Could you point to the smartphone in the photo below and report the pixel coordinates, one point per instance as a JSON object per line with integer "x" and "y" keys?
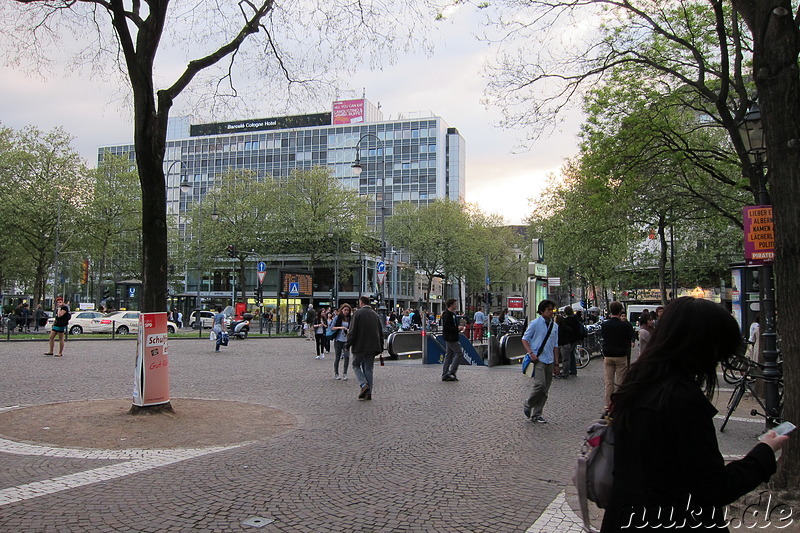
{"x": 784, "y": 428}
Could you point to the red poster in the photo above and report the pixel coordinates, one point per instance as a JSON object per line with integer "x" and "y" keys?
{"x": 515, "y": 303}
{"x": 152, "y": 362}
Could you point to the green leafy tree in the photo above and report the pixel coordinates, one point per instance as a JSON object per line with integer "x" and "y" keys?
{"x": 313, "y": 204}
{"x": 435, "y": 235}
{"x": 113, "y": 223}
{"x": 44, "y": 188}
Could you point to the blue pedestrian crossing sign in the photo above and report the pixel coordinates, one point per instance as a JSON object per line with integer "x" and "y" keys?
{"x": 294, "y": 288}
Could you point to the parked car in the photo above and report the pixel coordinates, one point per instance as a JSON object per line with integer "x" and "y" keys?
{"x": 81, "y": 321}
{"x": 206, "y": 317}
{"x": 122, "y": 323}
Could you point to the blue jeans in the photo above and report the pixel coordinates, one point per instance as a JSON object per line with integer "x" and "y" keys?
{"x": 362, "y": 368}
{"x": 341, "y": 353}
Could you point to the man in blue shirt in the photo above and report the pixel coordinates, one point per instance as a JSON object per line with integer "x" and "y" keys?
{"x": 541, "y": 343}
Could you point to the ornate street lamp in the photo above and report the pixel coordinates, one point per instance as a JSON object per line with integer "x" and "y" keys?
{"x": 357, "y": 169}
{"x": 753, "y": 136}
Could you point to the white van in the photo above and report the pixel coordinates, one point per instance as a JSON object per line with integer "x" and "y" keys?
{"x": 634, "y": 311}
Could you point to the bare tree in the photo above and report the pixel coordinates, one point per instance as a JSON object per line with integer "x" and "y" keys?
{"x": 331, "y": 36}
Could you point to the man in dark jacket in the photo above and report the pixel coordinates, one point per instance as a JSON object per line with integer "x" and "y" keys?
{"x": 451, "y": 331}
{"x": 571, "y": 329}
{"x": 617, "y": 339}
{"x": 365, "y": 341}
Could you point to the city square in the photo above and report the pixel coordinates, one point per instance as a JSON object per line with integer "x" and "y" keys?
{"x": 423, "y": 455}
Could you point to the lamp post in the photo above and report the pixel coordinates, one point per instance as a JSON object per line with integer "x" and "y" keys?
{"x": 186, "y": 188}
{"x": 357, "y": 169}
{"x": 335, "y": 292}
{"x": 753, "y": 136}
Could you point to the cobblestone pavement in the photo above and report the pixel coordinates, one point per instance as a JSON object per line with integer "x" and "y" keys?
{"x": 424, "y": 455}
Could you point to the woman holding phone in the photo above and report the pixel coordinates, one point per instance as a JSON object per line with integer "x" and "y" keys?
{"x": 668, "y": 469}
{"x": 60, "y": 325}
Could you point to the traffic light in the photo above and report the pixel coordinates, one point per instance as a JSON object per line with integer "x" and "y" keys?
{"x": 489, "y": 295}
{"x": 231, "y": 251}
{"x": 106, "y": 294}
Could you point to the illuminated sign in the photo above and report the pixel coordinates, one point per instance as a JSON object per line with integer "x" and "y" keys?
{"x": 297, "y": 284}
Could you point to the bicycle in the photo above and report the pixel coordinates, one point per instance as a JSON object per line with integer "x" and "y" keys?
{"x": 746, "y": 383}
{"x": 590, "y": 348}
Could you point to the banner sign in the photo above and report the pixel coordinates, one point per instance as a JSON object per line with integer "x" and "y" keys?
{"x": 261, "y": 124}
{"x": 759, "y": 235}
{"x": 349, "y": 111}
{"x": 297, "y": 284}
{"x": 151, "y": 382}
{"x": 515, "y": 303}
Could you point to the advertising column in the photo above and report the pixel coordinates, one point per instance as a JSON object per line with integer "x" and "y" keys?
{"x": 151, "y": 383}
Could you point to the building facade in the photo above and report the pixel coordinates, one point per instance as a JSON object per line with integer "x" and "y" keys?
{"x": 406, "y": 159}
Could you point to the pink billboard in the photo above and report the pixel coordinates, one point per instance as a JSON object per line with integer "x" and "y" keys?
{"x": 349, "y": 111}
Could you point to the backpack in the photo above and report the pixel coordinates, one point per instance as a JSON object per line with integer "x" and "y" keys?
{"x": 594, "y": 473}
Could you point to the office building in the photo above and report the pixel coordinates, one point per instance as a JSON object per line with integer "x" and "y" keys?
{"x": 409, "y": 158}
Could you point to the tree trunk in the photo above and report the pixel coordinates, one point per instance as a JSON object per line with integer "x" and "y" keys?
{"x": 776, "y": 44}
{"x": 662, "y": 260}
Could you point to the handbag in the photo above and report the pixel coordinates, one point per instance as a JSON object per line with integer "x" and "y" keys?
{"x": 213, "y": 335}
{"x": 330, "y": 332}
{"x": 594, "y": 473}
{"x": 529, "y": 369}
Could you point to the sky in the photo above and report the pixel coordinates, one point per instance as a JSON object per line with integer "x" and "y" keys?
{"x": 448, "y": 83}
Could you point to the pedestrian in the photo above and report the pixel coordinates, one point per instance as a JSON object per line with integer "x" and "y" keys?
{"x": 659, "y": 312}
{"x": 543, "y": 334}
{"x": 561, "y": 365}
{"x": 416, "y": 319}
{"x": 310, "y": 320}
{"x": 668, "y": 469}
{"x": 646, "y": 330}
{"x": 617, "y": 338}
{"x": 318, "y": 327}
{"x": 180, "y": 319}
{"x": 578, "y": 330}
{"x": 341, "y": 324}
{"x": 479, "y": 319}
{"x": 451, "y": 331}
{"x": 60, "y": 325}
{"x": 219, "y": 327}
{"x": 40, "y": 318}
{"x": 365, "y": 341}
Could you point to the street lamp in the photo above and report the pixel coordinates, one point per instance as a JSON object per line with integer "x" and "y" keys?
{"x": 752, "y": 134}
{"x": 357, "y": 169}
{"x": 186, "y": 188}
{"x": 335, "y": 292}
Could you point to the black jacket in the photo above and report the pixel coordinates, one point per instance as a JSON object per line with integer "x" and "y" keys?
{"x": 665, "y": 450}
{"x": 617, "y": 337}
{"x": 450, "y": 330}
{"x": 365, "y": 334}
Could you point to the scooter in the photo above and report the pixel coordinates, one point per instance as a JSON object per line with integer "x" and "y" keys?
{"x": 239, "y": 329}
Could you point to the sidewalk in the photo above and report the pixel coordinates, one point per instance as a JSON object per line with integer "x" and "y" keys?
{"x": 424, "y": 455}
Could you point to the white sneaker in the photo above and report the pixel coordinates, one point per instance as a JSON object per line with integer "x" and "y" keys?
{"x": 318, "y": 357}
{"x": 337, "y": 376}
{"x": 344, "y": 377}
{"x": 321, "y": 356}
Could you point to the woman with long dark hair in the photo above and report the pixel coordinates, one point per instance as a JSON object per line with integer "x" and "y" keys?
{"x": 668, "y": 470}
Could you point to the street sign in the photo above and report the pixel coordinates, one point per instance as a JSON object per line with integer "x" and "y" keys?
{"x": 381, "y": 271}
{"x": 262, "y": 271}
{"x": 294, "y": 288}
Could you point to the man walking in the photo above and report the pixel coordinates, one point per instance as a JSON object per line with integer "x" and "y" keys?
{"x": 451, "y": 332}
{"x": 365, "y": 341}
{"x": 541, "y": 336}
{"x": 310, "y": 318}
{"x": 617, "y": 339}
